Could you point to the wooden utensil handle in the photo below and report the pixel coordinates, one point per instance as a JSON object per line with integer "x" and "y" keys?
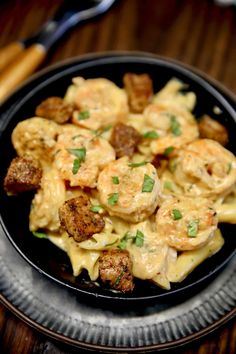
{"x": 20, "y": 68}
{"x": 10, "y": 52}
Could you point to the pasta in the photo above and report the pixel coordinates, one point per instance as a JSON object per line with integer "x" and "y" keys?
{"x": 143, "y": 193}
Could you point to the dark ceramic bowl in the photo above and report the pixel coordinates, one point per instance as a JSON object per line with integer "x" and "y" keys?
{"x": 14, "y": 211}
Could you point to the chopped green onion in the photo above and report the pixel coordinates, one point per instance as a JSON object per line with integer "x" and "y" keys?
{"x": 148, "y": 184}
{"x": 152, "y": 134}
{"x": 192, "y": 228}
{"x": 115, "y": 179}
{"x": 83, "y": 115}
{"x": 176, "y": 214}
{"x": 137, "y": 164}
{"x": 175, "y": 126}
{"x": 168, "y": 150}
{"x": 113, "y": 198}
{"x": 39, "y": 234}
{"x": 78, "y": 152}
{"x": 96, "y": 208}
{"x": 76, "y": 166}
{"x": 139, "y": 239}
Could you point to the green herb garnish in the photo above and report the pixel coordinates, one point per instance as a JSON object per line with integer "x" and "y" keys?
{"x": 96, "y": 208}
{"x": 175, "y": 126}
{"x": 76, "y": 166}
{"x": 123, "y": 242}
{"x": 168, "y": 150}
{"x": 78, "y": 152}
{"x": 148, "y": 184}
{"x": 139, "y": 239}
{"x": 113, "y": 198}
{"x": 152, "y": 134}
{"x": 115, "y": 179}
{"x": 83, "y": 115}
{"x": 39, "y": 234}
{"x": 176, "y": 214}
{"x": 137, "y": 164}
{"x": 192, "y": 228}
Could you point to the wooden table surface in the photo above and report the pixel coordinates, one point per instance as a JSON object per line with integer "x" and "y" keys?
{"x": 196, "y": 32}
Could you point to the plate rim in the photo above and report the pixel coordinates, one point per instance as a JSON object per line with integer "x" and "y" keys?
{"x": 120, "y": 53}
{"x": 161, "y": 346}
{"x": 107, "y": 58}
{"x": 108, "y": 349}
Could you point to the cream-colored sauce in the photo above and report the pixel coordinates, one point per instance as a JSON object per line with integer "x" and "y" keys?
{"x": 133, "y": 204}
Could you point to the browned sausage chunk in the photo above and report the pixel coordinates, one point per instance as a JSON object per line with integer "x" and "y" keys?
{"x": 115, "y": 270}
{"x": 124, "y": 139}
{"x": 78, "y": 220}
{"x": 139, "y": 89}
{"x": 211, "y": 129}
{"x": 55, "y": 108}
{"x": 24, "y": 174}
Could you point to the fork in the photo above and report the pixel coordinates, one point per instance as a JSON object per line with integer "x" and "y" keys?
{"x": 19, "y": 60}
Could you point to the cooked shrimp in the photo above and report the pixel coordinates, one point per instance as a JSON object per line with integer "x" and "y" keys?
{"x": 47, "y": 201}
{"x": 186, "y": 224}
{"x": 148, "y": 252}
{"x": 128, "y": 190}
{"x": 174, "y": 126}
{"x": 100, "y": 103}
{"x": 80, "y": 155}
{"x": 205, "y": 168}
{"x": 36, "y": 137}
{"x": 171, "y": 95}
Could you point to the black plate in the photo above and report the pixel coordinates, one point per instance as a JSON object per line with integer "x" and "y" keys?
{"x": 14, "y": 211}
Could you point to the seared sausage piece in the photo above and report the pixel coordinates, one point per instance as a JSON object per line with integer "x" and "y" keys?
{"x": 24, "y": 174}
{"x": 78, "y": 220}
{"x": 139, "y": 89}
{"x": 115, "y": 270}
{"x": 211, "y": 129}
{"x": 124, "y": 139}
{"x": 56, "y": 109}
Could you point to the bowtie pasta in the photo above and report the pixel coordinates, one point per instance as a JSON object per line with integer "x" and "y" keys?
{"x": 128, "y": 182}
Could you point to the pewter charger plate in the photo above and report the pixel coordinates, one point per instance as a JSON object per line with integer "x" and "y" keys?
{"x": 60, "y": 313}
{"x": 113, "y": 326}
